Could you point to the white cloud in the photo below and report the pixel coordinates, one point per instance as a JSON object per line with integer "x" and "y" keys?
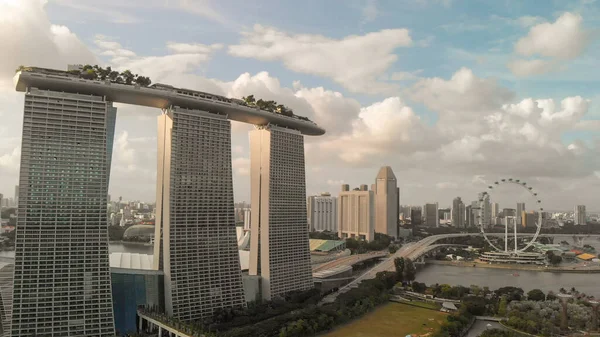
{"x": 463, "y": 96}
{"x": 525, "y": 68}
{"x": 446, "y": 185}
{"x": 406, "y": 76}
{"x": 33, "y": 40}
{"x": 529, "y": 20}
{"x": 564, "y": 39}
{"x": 372, "y": 54}
{"x": 550, "y": 43}
{"x": 118, "y": 11}
{"x": 10, "y": 161}
{"x": 333, "y": 182}
{"x": 193, "y": 48}
{"x": 370, "y": 11}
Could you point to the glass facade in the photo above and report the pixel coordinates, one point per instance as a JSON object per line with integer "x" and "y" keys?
{"x": 131, "y": 289}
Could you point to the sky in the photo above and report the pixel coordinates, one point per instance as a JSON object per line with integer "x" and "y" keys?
{"x": 453, "y": 95}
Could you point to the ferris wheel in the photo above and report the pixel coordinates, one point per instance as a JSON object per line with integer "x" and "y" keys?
{"x": 483, "y": 217}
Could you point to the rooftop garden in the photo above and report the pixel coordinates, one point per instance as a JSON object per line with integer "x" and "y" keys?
{"x": 98, "y": 73}
{"x": 271, "y": 106}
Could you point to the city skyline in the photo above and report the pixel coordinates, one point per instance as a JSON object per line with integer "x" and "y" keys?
{"x": 399, "y": 84}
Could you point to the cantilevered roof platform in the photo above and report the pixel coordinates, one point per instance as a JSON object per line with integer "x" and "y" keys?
{"x": 162, "y": 97}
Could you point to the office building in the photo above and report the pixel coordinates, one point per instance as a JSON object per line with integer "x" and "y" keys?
{"x": 194, "y": 214}
{"x": 2, "y": 200}
{"x": 416, "y": 216}
{"x": 61, "y": 275}
{"x": 520, "y": 209}
{"x": 430, "y": 215}
{"x": 322, "y": 213}
{"x": 579, "y": 217}
{"x": 386, "y": 202}
{"x": 279, "y": 248}
{"x": 458, "y": 213}
{"x": 495, "y": 213}
{"x": 529, "y": 219}
{"x": 469, "y": 218}
{"x": 485, "y": 210}
{"x": 356, "y": 213}
{"x": 247, "y": 218}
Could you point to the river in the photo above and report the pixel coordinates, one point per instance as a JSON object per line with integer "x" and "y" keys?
{"x": 497, "y": 278}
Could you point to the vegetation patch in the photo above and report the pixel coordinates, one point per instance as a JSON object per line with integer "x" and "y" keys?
{"x": 393, "y": 319}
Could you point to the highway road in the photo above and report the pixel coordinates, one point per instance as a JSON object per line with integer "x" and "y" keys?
{"x": 348, "y": 260}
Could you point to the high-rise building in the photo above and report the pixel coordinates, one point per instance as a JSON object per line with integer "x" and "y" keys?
{"x": 416, "y": 216}
{"x": 194, "y": 214}
{"x": 247, "y": 218}
{"x": 495, "y": 212}
{"x": 322, "y": 213}
{"x": 386, "y": 202}
{"x": 356, "y": 213}
{"x": 469, "y": 219}
{"x": 61, "y": 277}
{"x": 279, "y": 249}
{"x": 458, "y": 213}
{"x": 2, "y": 200}
{"x": 520, "y": 209}
{"x": 579, "y": 215}
{"x": 529, "y": 219}
{"x": 485, "y": 210}
{"x": 430, "y": 215}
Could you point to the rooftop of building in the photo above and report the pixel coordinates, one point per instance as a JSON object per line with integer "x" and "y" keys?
{"x": 386, "y": 172}
{"x": 160, "y": 96}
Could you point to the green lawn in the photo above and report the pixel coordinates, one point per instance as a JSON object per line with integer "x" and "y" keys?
{"x": 393, "y": 319}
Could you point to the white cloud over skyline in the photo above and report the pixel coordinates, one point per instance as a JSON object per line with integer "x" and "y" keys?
{"x": 481, "y": 129}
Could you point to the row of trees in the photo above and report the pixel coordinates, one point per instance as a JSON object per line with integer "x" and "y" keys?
{"x": 96, "y": 72}
{"x": 380, "y": 242}
{"x": 271, "y": 106}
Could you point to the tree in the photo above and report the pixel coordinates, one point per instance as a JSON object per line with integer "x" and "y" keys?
{"x": 502, "y": 306}
{"x": 250, "y": 100}
{"x": 555, "y": 260}
{"x": 409, "y": 270}
{"x": 419, "y": 287}
{"x": 20, "y": 68}
{"x": 393, "y": 249}
{"x": 128, "y": 77}
{"x": 399, "y": 264}
{"x": 536, "y": 295}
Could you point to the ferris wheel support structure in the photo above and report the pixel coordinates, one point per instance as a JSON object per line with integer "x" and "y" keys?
{"x": 482, "y": 217}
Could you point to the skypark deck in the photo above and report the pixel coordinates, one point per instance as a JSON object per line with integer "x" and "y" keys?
{"x": 162, "y": 97}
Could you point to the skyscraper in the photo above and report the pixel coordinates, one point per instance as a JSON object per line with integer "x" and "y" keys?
{"x": 579, "y": 215}
{"x": 484, "y": 210}
{"x": 195, "y": 240}
{"x": 495, "y": 212}
{"x": 386, "y": 202}
{"x": 430, "y": 215}
{"x": 322, "y": 212}
{"x": 458, "y": 213}
{"x": 520, "y": 209}
{"x": 279, "y": 249}
{"x": 356, "y": 213}
{"x": 61, "y": 278}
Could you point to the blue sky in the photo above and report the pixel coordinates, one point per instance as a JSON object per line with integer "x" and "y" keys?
{"x": 444, "y": 91}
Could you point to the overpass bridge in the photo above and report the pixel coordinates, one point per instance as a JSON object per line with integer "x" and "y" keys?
{"x": 349, "y": 261}
{"x": 415, "y": 250}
